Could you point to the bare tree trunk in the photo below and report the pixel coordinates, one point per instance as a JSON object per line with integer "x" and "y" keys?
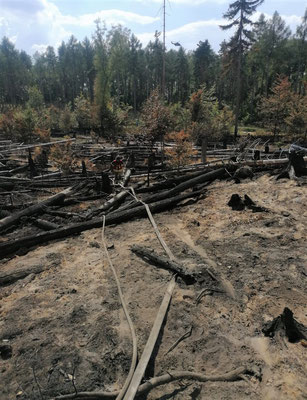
{"x": 204, "y": 144}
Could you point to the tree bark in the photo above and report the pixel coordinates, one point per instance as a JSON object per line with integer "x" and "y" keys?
{"x": 45, "y": 225}
{"x": 204, "y": 143}
{"x": 11, "y": 277}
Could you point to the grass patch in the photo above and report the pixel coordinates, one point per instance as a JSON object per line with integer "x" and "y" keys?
{"x": 253, "y": 131}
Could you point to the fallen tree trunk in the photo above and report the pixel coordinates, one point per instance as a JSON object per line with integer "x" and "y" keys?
{"x": 32, "y": 210}
{"x": 13, "y": 179}
{"x": 47, "y": 176}
{"x": 31, "y": 146}
{"x": 165, "y": 263}
{"x": 172, "y": 182}
{"x": 10, "y": 247}
{"x": 43, "y": 224}
{"x": 115, "y": 200}
{"x": 7, "y": 278}
{"x": 62, "y": 214}
{"x": 210, "y": 176}
{"x": 4, "y": 214}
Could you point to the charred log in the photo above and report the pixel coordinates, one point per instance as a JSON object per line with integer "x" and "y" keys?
{"x": 32, "y": 210}
{"x": 150, "y": 256}
{"x": 287, "y": 326}
{"x": 43, "y": 224}
{"x": 10, "y": 247}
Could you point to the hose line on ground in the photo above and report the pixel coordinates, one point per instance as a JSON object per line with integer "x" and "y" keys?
{"x": 132, "y": 330}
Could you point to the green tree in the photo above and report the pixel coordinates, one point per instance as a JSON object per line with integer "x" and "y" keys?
{"x": 239, "y": 14}
{"x": 301, "y": 40}
{"x": 83, "y": 113}
{"x": 182, "y": 75}
{"x": 101, "y": 62}
{"x": 135, "y": 71}
{"x": 89, "y": 72}
{"x": 118, "y": 44}
{"x": 209, "y": 120}
{"x": 297, "y": 118}
{"x": 204, "y": 64}
{"x": 36, "y": 99}
{"x": 275, "y": 109}
{"x": 204, "y": 108}
{"x": 67, "y": 120}
{"x": 15, "y": 73}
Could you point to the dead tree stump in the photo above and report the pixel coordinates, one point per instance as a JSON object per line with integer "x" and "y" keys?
{"x": 287, "y": 326}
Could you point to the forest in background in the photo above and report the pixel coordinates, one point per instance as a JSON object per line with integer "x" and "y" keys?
{"x": 110, "y": 85}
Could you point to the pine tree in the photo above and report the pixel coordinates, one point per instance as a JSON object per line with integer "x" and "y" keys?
{"x": 204, "y": 62}
{"x": 239, "y": 14}
{"x": 277, "y": 107}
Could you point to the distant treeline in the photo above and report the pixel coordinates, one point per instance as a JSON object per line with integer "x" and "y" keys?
{"x": 114, "y": 67}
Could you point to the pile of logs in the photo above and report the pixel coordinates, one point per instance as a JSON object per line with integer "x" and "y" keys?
{"x": 41, "y": 206}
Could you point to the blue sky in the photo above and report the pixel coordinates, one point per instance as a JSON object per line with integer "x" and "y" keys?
{"x": 34, "y": 24}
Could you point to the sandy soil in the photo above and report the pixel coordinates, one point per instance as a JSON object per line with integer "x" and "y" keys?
{"x": 68, "y": 319}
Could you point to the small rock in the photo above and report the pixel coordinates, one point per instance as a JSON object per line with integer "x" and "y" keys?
{"x": 94, "y": 244}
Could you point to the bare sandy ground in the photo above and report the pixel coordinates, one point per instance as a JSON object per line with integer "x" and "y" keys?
{"x": 68, "y": 319}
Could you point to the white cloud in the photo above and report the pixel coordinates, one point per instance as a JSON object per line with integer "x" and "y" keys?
{"x": 189, "y": 2}
{"x": 40, "y": 48}
{"x": 292, "y": 20}
{"x": 289, "y": 19}
{"x": 190, "y": 34}
{"x": 196, "y": 26}
{"x": 13, "y": 39}
{"x": 109, "y": 16}
{"x": 40, "y": 22}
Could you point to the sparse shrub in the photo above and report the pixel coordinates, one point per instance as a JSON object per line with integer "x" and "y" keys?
{"x": 36, "y": 99}
{"x": 181, "y": 153}
{"x": 83, "y": 113}
{"x": 156, "y": 118}
{"x": 67, "y": 119}
{"x": 63, "y": 157}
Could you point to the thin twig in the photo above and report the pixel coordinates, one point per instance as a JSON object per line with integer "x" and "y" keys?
{"x": 207, "y": 291}
{"x": 231, "y": 376}
{"x": 184, "y": 336}
{"x": 73, "y": 379}
{"x": 37, "y": 384}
